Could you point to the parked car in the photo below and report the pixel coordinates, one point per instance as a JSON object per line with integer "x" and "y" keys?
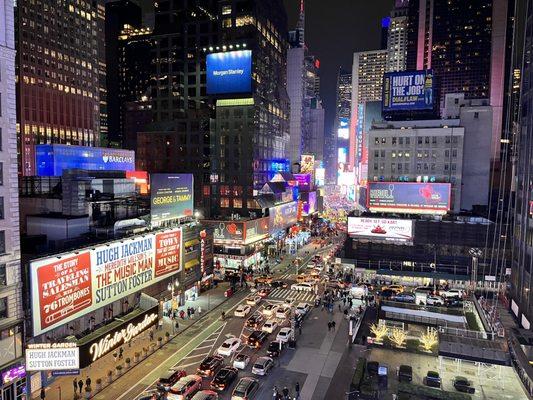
{"x": 303, "y": 287}
{"x": 284, "y": 335}
{"x": 462, "y": 384}
{"x": 302, "y": 308}
{"x": 205, "y": 395}
{"x": 256, "y": 339}
{"x": 269, "y": 310}
{"x": 210, "y": 365}
{"x": 270, "y": 326}
{"x": 275, "y": 348}
{"x": 396, "y": 288}
{"x": 454, "y": 302}
{"x": 302, "y": 278}
{"x": 434, "y": 301}
{"x": 255, "y": 321}
{"x": 262, "y": 365}
{"x": 224, "y": 378}
{"x": 404, "y": 298}
{"x": 253, "y": 300}
{"x": 283, "y": 312}
{"x": 242, "y": 311}
{"x": 405, "y": 373}
{"x": 387, "y": 293}
{"x": 245, "y": 389}
{"x": 432, "y": 379}
{"x": 169, "y": 378}
{"x": 229, "y": 347}
{"x": 186, "y": 387}
{"x": 152, "y": 395}
{"x": 452, "y": 293}
{"x": 241, "y": 361}
{"x": 263, "y": 292}
{"x": 279, "y": 284}
{"x": 264, "y": 279}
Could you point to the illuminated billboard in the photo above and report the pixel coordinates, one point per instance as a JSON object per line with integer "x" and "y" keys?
{"x": 52, "y": 159}
{"x": 304, "y": 181}
{"x": 283, "y": 216}
{"x": 343, "y": 131}
{"x": 67, "y": 286}
{"x": 309, "y": 203}
{"x": 320, "y": 176}
{"x": 171, "y": 196}
{"x": 229, "y": 231}
{"x": 307, "y": 164}
{"x": 408, "y": 91}
{"x": 381, "y": 229}
{"x": 409, "y": 197}
{"x": 229, "y": 72}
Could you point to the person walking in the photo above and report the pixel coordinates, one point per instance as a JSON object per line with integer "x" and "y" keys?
{"x": 43, "y": 394}
{"x": 333, "y": 324}
{"x": 88, "y": 382}
{"x": 285, "y": 393}
{"x": 199, "y": 310}
{"x": 75, "y": 384}
{"x": 120, "y": 353}
{"x": 151, "y": 335}
{"x": 80, "y": 384}
{"x": 329, "y": 326}
{"x": 297, "y": 389}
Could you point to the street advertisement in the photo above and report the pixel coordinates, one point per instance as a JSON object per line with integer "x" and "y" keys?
{"x": 256, "y": 229}
{"x": 283, "y": 216}
{"x": 304, "y": 181}
{"x": 229, "y": 72}
{"x": 229, "y": 230}
{"x": 309, "y": 203}
{"x": 52, "y": 357}
{"x": 52, "y": 159}
{"x": 92, "y": 350}
{"x": 343, "y": 131}
{"x": 381, "y": 229}
{"x": 320, "y": 176}
{"x": 66, "y": 287}
{"x": 409, "y": 197}
{"x": 408, "y": 91}
{"x": 307, "y": 164}
{"x": 171, "y": 196}
{"x": 13, "y": 374}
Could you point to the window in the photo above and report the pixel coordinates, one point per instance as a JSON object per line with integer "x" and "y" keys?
{"x": 456, "y": 101}
{"x": 447, "y": 153}
{"x": 406, "y": 167}
{"x": 454, "y": 167}
{"x": 418, "y": 166}
{"x": 433, "y": 167}
{"x": 2, "y": 207}
{"x": 2, "y": 242}
{"x": 419, "y": 140}
{"x": 447, "y": 139}
{"x": 407, "y": 154}
{"x": 401, "y": 141}
{"x": 434, "y": 140}
{"x": 454, "y": 152}
{"x": 407, "y": 140}
{"x": 382, "y": 153}
{"x": 393, "y": 167}
{"x": 0, "y": 138}
{"x": 226, "y": 10}
{"x": 3, "y": 307}
{"x": 226, "y": 23}
{"x": 455, "y": 139}
{"x": 446, "y": 167}
{"x": 376, "y": 141}
{"x": 394, "y": 140}
{"x": 3, "y": 276}
{"x": 375, "y": 166}
{"x": 426, "y": 141}
{"x": 376, "y": 153}
{"x": 399, "y": 167}
{"x": 383, "y": 140}
{"x": 393, "y": 154}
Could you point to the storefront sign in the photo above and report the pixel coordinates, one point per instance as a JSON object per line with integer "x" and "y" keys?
{"x": 119, "y": 336}
{"x": 52, "y": 357}
{"x": 67, "y": 372}
{"x": 11, "y": 375}
{"x": 69, "y": 286}
{"x": 203, "y": 235}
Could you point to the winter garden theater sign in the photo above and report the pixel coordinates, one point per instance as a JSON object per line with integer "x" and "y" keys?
{"x": 118, "y": 333}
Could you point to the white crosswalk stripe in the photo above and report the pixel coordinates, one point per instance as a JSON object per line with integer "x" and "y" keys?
{"x": 286, "y": 276}
{"x": 296, "y": 295}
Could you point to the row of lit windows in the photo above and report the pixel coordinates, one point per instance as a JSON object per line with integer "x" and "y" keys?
{"x": 56, "y": 86}
{"x": 47, "y": 134}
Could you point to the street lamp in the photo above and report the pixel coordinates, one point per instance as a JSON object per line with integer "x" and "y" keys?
{"x": 475, "y": 253}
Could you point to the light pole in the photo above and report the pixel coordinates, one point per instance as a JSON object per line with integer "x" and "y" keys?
{"x": 475, "y": 253}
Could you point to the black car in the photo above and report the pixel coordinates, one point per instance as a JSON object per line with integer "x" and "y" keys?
{"x": 257, "y": 338}
{"x": 254, "y": 321}
{"x": 275, "y": 348}
{"x": 278, "y": 284}
{"x": 210, "y": 365}
{"x": 170, "y": 378}
{"x": 388, "y": 293}
{"x": 433, "y": 379}
{"x": 462, "y": 384}
{"x": 224, "y": 378}
{"x": 454, "y": 302}
{"x": 405, "y": 373}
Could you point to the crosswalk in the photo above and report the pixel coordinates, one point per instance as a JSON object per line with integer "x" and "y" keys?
{"x": 284, "y": 294}
{"x": 287, "y": 275}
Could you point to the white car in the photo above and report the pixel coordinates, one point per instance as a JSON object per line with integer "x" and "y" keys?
{"x": 262, "y": 365}
{"x": 270, "y": 326}
{"x": 242, "y": 311}
{"x": 434, "y": 301}
{"x": 284, "y": 335}
{"x": 302, "y": 308}
{"x": 283, "y": 312}
{"x": 270, "y": 310}
{"x": 241, "y": 361}
{"x": 253, "y": 300}
{"x": 229, "y": 347}
{"x": 304, "y": 287}
{"x": 450, "y": 293}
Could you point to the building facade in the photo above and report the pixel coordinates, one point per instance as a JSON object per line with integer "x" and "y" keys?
{"x": 11, "y": 313}
{"x": 59, "y": 76}
{"x": 397, "y": 38}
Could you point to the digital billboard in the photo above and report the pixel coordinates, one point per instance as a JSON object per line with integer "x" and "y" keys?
{"x": 171, "y": 196}
{"x": 256, "y": 229}
{"x": 381, "y": 229}
{"x": 309, "y": 203}
{"x": 409, "y": 197}
{"x": 320, "y": 176}
{"x": 229, "y": 72}
{"x": 343, "y": 131}
{"x": 68, "y": 286}
{"x": 304, "y": 181}
{"x": 283, "y": 216}
{"x": 229, "y": 230}
{"x": 307, "y": 164}
{"x": 408, "y": 91}
{"x": 52, "y": 159}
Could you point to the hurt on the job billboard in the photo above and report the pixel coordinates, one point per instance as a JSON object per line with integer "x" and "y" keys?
{"x": 229, "y": 72}
{"x": 68, "y": 286}
{"x": 171, "y": 196}
{"x": 408, "y": 91}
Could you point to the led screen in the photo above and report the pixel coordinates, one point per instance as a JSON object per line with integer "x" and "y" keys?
{"x": 229, "y": 72}
{"x": 409, "y": 197}
{"x": 408, "y": 91}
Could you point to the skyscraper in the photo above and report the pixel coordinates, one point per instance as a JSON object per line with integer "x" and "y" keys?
{"x": 397, "y": 38}
{"x": 59, "y": 75}
{"x": 11, "y": 315}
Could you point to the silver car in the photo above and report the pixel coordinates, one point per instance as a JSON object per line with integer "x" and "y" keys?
{"x": 262, "y": 365}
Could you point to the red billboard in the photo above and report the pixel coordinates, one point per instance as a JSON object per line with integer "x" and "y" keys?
{"x": 409, "y": 197}
{"x": 167, "y": 252}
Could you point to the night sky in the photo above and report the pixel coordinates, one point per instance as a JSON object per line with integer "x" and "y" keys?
{"x": 334, "y": 30}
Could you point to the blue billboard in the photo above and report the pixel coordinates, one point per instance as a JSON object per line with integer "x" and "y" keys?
{"x": 229, "y": 72}
{"x": 409, "y": 197}
{"x": 408, "y": 91}
{"x": 52, "y": 159}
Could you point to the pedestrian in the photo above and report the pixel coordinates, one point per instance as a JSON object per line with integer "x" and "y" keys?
{"x": 275, "y": 393}
{"x": 189, "y": 312}
{"x": 344, "y": 301}
{"x": 43, "y": 394}
{"x": 329, "y": 326}
{"x": 75, "y": 384}
{"x": 297, "y": 388}
{"x": 339, "y": 307}
{"x": 182, "y": 314}
{"x": 199, "y": 310}
{"x": 80, "y": 384}
{"x": 151, "y": 335}
{"x": 333, "y": 324}
{"x": 120, "y": 353}
{"x": 88, "y": 382}
{"x": 160, "y": 324}
{"x": 285, "y": 393}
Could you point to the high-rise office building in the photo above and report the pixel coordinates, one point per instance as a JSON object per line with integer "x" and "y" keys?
{"x": 464, "y": 44}
{"x": 397, "y": 38}
{"x": 367, "y": 75}
{"x": 58, "y": 75}
{"x": 11, "y": 315}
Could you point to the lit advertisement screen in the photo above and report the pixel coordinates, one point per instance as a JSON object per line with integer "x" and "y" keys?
{"x": 283, "y": 216}
{"x": 229, "y": 72}
{"x": 171, "y": 196}
{"x": 52, "y": 159}
{"x": 304, "y": 181}
{"x": 381, "y": 229}
{"x": 342, "y": 155}
{"x": 320, "y": 176}
{"x": 409, "y": 197}
{"x": 408, "y": 91}
{"x": 343, "y": 131}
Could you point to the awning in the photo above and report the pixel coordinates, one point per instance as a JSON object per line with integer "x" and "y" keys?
{"x": 191, "y": 243}
{"x": 191, "y": 263}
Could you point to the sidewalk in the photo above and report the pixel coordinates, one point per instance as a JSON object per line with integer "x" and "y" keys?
{"x": 62, "y": 388}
